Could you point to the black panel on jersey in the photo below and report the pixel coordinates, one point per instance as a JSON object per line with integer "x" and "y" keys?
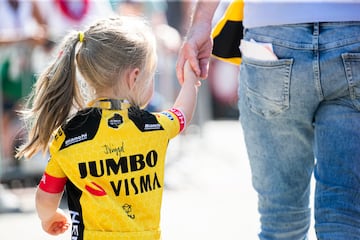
{"x": 82, "y": 127}
{"x": 144, "y": 120}
{"x": 73, "y": 199}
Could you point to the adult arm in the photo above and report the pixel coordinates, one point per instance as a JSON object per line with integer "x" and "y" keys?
{"x": 197, "y": 45}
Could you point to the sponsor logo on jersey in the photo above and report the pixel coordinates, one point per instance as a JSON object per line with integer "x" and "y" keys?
{"x": 75, "y": 219}
{"x": 77, "y": 139}
{"x": 152, "y": 126}
{"x": 180, "y": 117}
{"x": 119, "y": 167}
{"x": 95, "y": 189}
{"x": 115, "y": 121}
{"x": 168, "y": 115}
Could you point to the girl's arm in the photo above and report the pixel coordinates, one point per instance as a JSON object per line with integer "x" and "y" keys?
{"x": 53, "y": 220}
{"x": 186, "y": 100}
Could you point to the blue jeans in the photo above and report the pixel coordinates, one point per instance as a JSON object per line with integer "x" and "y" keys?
{"x": 301, "y": 115}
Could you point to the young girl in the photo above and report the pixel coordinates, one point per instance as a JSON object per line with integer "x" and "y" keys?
{"x": 109, "y": 154}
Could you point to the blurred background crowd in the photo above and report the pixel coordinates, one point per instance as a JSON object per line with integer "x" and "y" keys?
{"x": 29, "y": 33}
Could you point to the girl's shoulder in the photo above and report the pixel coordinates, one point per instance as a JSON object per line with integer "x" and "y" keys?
{"x": 81, "y": 127}
{"x": 87, "y": 118}
{"x": 144, "y": 120}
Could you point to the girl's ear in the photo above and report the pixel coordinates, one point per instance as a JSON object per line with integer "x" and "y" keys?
{"x": 132, "y": 76}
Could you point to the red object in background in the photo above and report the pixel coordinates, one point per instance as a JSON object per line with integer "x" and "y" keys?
{"x": 72, "y": 13}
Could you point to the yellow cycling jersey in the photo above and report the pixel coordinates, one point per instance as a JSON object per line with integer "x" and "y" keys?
{"x": 111, "y": 159}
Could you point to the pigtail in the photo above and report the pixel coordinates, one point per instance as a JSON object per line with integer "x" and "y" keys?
{"x": 102, "y": 55}
{"x": 55, "y": 95}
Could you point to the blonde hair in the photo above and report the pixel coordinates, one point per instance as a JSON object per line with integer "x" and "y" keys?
{"x": 107, "y": 49}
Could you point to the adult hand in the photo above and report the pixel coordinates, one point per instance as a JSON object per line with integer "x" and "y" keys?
{"x": 196, "y": 48}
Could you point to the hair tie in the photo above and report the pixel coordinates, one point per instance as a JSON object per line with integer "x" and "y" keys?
{"x": 81, "y": 37}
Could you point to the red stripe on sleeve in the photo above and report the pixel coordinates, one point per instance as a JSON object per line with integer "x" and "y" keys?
{"x": 180, "y": 116}
{"x": 52, "y": 184}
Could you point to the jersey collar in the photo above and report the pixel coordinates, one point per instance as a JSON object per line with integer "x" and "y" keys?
{"x": 110, "y": 104}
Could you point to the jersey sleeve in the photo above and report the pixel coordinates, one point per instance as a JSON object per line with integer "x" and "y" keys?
{"x": 173, "y": 121}
{"x": 53, "y": 179}
{"x": 52, "y": 184}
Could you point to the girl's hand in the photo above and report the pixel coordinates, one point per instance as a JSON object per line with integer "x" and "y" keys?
{"x": 57, "y": 224}
{"x": 190, "y": 76}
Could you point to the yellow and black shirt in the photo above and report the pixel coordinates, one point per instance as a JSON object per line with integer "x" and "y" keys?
{"x": 228, "y": 32}
{"x": 110, "y": 157}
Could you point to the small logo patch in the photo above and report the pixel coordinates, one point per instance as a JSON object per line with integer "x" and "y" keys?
{"x": 152, "y": 126}
{"x": 128, "y": 210}
{"x": 115, "y": 121}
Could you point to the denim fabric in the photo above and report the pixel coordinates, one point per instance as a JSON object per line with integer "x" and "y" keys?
{"x": 301, "y": 115}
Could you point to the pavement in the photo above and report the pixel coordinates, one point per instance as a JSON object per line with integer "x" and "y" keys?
{"x": 207, "y": 195}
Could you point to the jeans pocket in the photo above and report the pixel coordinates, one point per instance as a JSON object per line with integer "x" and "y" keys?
{"x": 267, "y": 85}
{"x": 352, "y": 69}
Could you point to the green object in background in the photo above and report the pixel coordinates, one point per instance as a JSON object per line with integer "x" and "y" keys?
{"x": 14, "y": 88}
